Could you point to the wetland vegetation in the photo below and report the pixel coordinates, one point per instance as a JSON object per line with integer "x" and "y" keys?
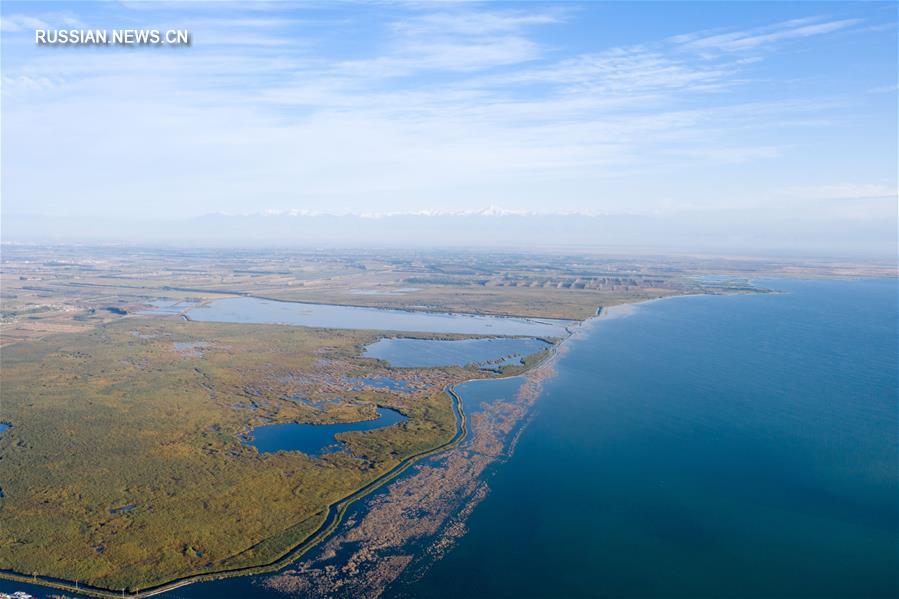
{"x": 490, "y": 353}
{"x": 131, "y": 414}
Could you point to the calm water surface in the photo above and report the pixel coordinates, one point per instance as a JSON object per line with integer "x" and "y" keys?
{"x": 418, "y": 353}
{"x": 476, "y": 394}
{"x": 703, "y": 447}
{"x": 261, "y": 311}
{"x": 313, "y": 439}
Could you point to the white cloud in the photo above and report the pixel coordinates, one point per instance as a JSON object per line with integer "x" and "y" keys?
{"x": 13, "y": 23}
{"x": 628, "y": 71}
{"x": 24, "y": 83}
{"x": 472, "y": 23}
{"x": 464, "y": 40}
{"x": 735, "y": 41}
{"x": 445, "y": 55}
{"x": 27, "y": 23}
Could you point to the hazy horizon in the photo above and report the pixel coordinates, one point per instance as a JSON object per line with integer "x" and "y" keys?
{"x": 549, "y": 233}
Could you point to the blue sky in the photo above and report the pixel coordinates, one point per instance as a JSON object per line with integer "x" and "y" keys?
{"x": 604, "y": 108}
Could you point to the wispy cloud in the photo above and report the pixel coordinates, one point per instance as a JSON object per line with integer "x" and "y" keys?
{"x": 473, "y": 23}
{"x": 20, "y": 23}
{"x": 447, "y": 105}
{"x": 469, "y": 40}
{"x": 735, "y": 41}
{"x": 629, "y": 71}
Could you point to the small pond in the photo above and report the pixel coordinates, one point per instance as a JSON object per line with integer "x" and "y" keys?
{"x": 314, "y": 439}
{"x": 379, "y": 382}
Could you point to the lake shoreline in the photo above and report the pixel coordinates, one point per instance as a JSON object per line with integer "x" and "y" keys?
{"x": 758, "y": 457}
{"x": 491, "y": 439}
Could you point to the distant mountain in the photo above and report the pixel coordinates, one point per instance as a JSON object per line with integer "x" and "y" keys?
{"x": 730, "y": 232}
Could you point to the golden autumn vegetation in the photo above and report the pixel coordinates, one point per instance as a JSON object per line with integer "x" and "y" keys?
{"x": 125, "y": 464}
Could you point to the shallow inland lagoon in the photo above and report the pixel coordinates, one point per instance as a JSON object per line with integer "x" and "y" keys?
{"x": 262, "y": 311}
{"x": 314, "y": 439}
{"x": 479, "y": 393}
{"x": 419, "y": 353}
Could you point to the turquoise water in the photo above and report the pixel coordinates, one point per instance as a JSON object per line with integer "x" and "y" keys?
{"x": 261, "y": 311}
{"x": 313, "y": 439}
{"x": 703, "y": 447}
{"x": 418, "y": 353}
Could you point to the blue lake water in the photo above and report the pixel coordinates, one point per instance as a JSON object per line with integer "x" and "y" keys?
{"x": 476, "y": 394}
{"x": 261, "y": 311}
{"x": 313, "y": 439}
{"x": 418, "y": 353}
{"x": 741, "y": 446}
